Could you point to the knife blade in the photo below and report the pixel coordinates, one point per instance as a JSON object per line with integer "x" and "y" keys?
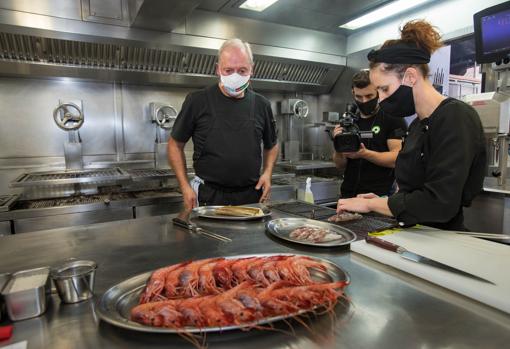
{"x": 406, "y": 254}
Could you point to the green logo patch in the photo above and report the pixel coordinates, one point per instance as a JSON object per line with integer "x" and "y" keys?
{"x": 376, "y": 129}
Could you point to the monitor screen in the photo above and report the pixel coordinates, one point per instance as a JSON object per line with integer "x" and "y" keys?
{"x": 492, "y": 33}
{"x": 496, "y": 32}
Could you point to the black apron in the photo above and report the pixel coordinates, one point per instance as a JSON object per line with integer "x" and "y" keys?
{"x": 230, "y": 159}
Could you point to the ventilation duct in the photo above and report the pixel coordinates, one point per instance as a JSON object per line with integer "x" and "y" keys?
{"x": 114, "y": 53}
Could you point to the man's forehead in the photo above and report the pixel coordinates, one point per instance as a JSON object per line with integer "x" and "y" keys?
{"x": 234, "y": 55}
{"x": 370, "y": 89}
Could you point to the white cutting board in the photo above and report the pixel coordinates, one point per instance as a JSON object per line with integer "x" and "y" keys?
{"x": 482, "y": 258}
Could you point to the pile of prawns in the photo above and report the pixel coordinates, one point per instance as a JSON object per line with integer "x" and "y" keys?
{"x": 221, "y": 292}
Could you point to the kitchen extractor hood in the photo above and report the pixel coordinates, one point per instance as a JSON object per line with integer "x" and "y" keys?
{"x": 34, "y": 45}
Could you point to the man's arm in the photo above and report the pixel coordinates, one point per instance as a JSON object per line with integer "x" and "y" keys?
{"x": 384, "y": 159}
{"x": 340, "y": 160}
{"x": 177, "y": 161}
{"x": 269, "y": 159}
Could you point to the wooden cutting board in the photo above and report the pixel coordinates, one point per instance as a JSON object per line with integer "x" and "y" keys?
{"x": 482, "y": 258}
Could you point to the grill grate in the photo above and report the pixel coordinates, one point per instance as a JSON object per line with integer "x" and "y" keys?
{"x": 52, "y": 176}
{"x": 73, "y": 200}
{"x": 150, "y": 172}
{"x": 361, "y": 227}
{"x": 69, "y": 177}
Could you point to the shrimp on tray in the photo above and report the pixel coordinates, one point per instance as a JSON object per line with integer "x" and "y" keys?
{"x": 241, "y": 292}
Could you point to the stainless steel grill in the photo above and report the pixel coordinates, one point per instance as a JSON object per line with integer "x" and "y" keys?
{"x": 369, "y": 223}
{"x": 70, "y": 177}
{"x": 6, "y": 202}
{"x": 149, "y": 173}
{"x": 35, "y": 49}
{"x": 73, "y": 200}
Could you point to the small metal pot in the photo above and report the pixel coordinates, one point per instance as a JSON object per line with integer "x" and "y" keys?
{"x": 74, "y": 280}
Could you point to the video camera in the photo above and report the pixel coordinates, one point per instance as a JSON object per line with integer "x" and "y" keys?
{"x": 350, "y": 138}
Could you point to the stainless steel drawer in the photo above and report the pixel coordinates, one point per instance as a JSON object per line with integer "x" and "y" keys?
{"x": 5, "y": 228}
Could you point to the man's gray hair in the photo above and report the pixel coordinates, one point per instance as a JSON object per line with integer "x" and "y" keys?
{"x": 235, "y": 42}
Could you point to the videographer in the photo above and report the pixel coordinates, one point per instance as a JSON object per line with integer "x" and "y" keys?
{"x": 370, "y": 169}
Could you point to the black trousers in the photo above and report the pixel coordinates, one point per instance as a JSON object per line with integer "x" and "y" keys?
{"x": 211, "y": 196}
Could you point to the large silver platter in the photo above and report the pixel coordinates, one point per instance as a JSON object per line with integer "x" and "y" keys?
{"x": 208, "y": 212}
{"x": 115, "y": 305}
{"x": 282, "y": 227}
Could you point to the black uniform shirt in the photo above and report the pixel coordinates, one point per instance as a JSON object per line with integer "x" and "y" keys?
{"x": 195, "y": 119}
{"x": 440, "y": 168}
{"x": 363, "y": 176}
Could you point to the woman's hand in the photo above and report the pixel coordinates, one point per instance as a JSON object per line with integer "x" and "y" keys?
{"x": 360, "y": 205}
{"x": 367, "y": 196}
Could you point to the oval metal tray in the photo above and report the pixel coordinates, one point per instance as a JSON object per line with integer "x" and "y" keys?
{"x": 282, "y": 227}
{"x": 115, "y": 305}
{"x": 208, "y": 212}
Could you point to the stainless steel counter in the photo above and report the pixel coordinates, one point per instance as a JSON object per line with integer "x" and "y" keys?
{"x": 387, "y": 309}
{"x": 490, "y": 184}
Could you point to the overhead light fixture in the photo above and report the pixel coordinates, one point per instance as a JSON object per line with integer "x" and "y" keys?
{"x": 381, "y": 13}
{"x": 257, "y": 5}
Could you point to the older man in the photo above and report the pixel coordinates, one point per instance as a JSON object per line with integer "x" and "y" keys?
{"x": 228, "y": 124}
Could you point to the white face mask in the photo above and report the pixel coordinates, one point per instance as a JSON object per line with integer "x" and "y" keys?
{"x": 234, "y": 84}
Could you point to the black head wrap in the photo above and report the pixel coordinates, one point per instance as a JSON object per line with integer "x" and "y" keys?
{"x": 401, "y": 53}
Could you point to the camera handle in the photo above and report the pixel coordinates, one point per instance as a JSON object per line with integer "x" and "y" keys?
{"x": 329, "y": 133}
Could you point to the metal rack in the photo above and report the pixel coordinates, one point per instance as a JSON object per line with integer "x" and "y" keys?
{"x": 73, "y": 200}
{"x": 70, "y": 177}
{"x": 144, "y": 174}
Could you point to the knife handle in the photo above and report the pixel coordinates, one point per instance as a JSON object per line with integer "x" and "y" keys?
{"x": 181, "y": 223}
{"x": 382, "y": 243}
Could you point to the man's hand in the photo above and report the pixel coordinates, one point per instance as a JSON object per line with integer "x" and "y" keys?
{"x": 190, "y": 198}
{"x": 360, "y": 154}
{"x": 353, "y": 205}
{"x": 264, "y": 183}
{"x": 337, "y": 130}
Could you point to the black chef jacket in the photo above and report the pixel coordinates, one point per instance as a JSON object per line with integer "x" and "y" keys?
{"x": 440, "y": 168}
{"x": 362, "y": 176}
{"x": 196, "y": 120}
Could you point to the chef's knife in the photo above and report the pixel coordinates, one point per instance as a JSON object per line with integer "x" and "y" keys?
{"x": 404, "y": 253}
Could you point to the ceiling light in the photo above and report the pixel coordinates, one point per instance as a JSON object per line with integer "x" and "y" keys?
{"x": 257, "y": 5}
{"x": 381, "y": 13}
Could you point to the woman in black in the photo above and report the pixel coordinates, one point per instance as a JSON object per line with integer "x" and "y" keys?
{"x": 442, "y": 164}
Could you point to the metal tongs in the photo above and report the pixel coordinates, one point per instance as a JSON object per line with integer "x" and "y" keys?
{"x": 182, "y": 220}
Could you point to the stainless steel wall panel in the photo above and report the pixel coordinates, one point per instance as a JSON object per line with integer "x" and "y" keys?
{"x": 205, "y": 23}
{"x": 139, "y": 131}
{"x": 27, "y": 126}
{"x": 70, "y": 9}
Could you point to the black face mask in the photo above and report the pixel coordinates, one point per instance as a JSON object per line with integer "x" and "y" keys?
{"x": 400, "y": 103}
{"x": 367, "y": 108}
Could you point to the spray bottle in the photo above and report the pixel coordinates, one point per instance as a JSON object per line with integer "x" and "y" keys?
{"x": 308, "y": 191}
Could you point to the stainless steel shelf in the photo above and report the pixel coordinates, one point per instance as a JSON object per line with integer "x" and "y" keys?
{"x": 70, "y": 177}
{"x": 306, "y": 165}
{"x": 6, "y": 202}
